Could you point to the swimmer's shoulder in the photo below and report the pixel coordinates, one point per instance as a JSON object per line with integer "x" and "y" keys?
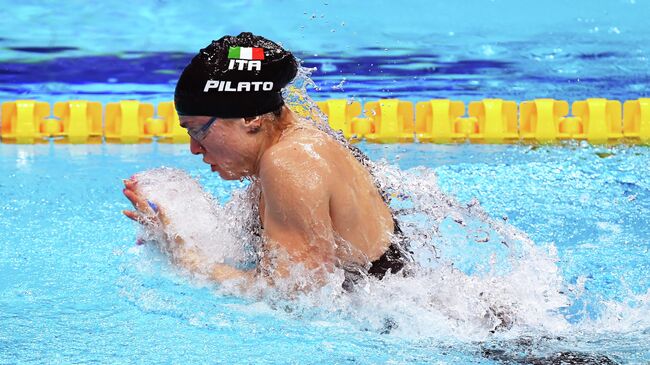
{"x": 301, "y": 157}
{"x": 297, "y": 148}
{"x": 312, "y": 145}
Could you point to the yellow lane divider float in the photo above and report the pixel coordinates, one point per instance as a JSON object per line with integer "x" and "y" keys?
{"x": 80, "y": 121}
{"x": 23, "y": 121}
{"x": 594, "y": 120}
{"x": 636, "y": 120}
{"x": 391, "y": 121}
{"x": 439, "y": 121}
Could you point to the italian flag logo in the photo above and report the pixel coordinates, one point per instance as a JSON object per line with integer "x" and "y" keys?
{"x": 246, "y": 53}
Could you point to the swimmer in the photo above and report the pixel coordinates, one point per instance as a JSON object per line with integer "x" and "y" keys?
{"x": 318, "y": 205}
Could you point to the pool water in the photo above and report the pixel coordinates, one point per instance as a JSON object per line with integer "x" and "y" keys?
{"x": 462, "y": 50}
{"x": 555, "y": 237}
{"x": 75, "y": 287}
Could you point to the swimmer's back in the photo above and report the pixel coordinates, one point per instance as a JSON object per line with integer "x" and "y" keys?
{"x": 358, "y": 213}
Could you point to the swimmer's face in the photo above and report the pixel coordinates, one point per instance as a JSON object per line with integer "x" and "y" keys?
{"x": 230, "y": 146}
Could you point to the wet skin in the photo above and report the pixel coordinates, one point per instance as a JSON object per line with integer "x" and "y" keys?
{"x": 318, "y": 204}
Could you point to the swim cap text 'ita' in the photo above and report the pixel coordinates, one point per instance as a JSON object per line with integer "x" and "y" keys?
{"x": 235, "y": 77}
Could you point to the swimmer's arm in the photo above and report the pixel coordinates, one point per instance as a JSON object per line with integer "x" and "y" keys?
{"x": 192, "y": 261}
{"x": 297, "y": 212}
{"x": 223, "y": 272}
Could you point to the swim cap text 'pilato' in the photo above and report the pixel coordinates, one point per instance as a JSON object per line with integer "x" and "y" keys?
{"x": 235, "y": 77}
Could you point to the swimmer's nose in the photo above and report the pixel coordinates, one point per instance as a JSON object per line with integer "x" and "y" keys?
{"x": 195, "y": 147}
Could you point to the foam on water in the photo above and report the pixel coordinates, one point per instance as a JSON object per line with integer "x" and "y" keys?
{"x": 195, "y": 217}
{"x": 475, "y": 278}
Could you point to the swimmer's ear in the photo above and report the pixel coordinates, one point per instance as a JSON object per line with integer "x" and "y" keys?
{"x": 253, "y": 124}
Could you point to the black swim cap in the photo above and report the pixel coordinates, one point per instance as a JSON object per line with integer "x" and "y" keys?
{"x": 235, "y": 77}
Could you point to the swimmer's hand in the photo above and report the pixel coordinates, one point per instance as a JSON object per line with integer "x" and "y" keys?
{"x": 146, "y": 212}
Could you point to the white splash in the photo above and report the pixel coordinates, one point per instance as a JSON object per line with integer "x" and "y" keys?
{"x": 513, "y": 291}
{"x": 474, "y": 277}
{"x": 216, "y": 231}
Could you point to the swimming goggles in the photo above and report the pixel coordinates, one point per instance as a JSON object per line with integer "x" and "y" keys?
{"x": 199, "y": 133}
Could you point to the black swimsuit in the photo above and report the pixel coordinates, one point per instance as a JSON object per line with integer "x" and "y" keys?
{"x": 393, "y": 261}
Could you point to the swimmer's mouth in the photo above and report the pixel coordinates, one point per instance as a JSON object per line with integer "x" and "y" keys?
{"x": 212, "y": 167}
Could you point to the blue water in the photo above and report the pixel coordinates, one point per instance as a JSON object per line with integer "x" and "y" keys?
{"x": 463, "y": 50}
{"x": 74, "y": 288}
